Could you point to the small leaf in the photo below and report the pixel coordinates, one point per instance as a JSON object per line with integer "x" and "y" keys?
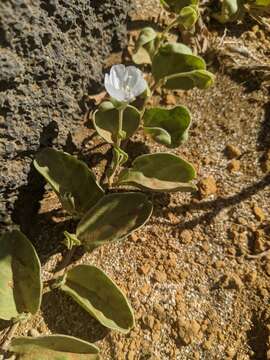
{"x": 114, "y": 217}
{"x": 91, "y": 288}
{"x": 145, "y": 46}
{"x": 177, "y": 5}
{"x": 71, "y": 240}
{"x": 146, "y": 35}
{"x": 53, "y": 347}
{"x": 141, "y": 56}
{"x": 201, "y": 79}
{"x": 20, "y": 271}
{"x": 188, "y": 16}
{"x": 70, "y": 178}
{"x": 159, "y": 172}
{"x": 175, "y": 58}
{"x": 229, "y": 11}
{"x": 167, "y": 126}
{"x": 106, "y": 123}
{"x": 263, "y": 3}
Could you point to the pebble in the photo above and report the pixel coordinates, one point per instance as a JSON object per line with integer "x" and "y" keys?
{"x": 187, "y": 330}
{"x": 145, "y": 289}
{"x": 170, "y": 99}
{"x": 259, "y": 213}
{"x": 160, "y": 276}
{"x": 149, "y": 321}
{"x": 144, "y": 269}
{"x": 232, "y": 151}
{"x": 207, "y": 186}
{"x": 232, "y": 281}
{"x": 186, "y": 236}
{"x": 234, "y": 165}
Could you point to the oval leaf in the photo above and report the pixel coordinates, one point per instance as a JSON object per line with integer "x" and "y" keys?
{"x": 177, "y": 5}
{"x": 188, "y": 16}
{"x": 167, "y": 126}
{"x": 201, "y": 79}
{"x": 147, "y": 35}
{"x": 106, "y": 123}
{"x": 70, "y": 178}
{"x": 53, "y": 347}
{"x": 20, "y": 271}
{"x": 145, "y": 46}
{"x": 229, "y": 11}
{"x": 114, "y": 217}
{"x": 175, "y": 58}
{"x": 159, "y": 172}
{"x": 91, "y": 288}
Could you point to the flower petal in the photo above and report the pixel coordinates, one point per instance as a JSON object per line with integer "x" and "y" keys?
{"x": 117, "y": 94}
{"x": 117, "y": 75}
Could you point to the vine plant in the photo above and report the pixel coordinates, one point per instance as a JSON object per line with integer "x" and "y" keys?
{"x": 104, "y": 216}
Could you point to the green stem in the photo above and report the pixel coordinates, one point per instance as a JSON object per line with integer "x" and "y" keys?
{"x": 167, "y": 29}
{"x": 120, "y": 126}
{"x": 117, "y": 143}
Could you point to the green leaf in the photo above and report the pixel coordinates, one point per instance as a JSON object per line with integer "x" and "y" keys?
{"x": 229, "y": 11}
{"x": 92, "y": 289}
{"x": 70, "y": 178}
{"x": 167, "y": 126}
{"x": 188, "y": 16}
{"x": 201, "y": 79}
{"x": 177, "y": 5}
{"x": 71, "y": 240}
{"x": 20, "y": 271}
{"x": 114, "y": 217}
{"x": 175, "y": 58}
{"x": 145, "y": 46}
{"x": 264, "y": 3}
{"x": 147, "y": 35}
{"x": 159, "y": 172}
{"x": 53, "y": 347}
{"x": 106, "y": 123}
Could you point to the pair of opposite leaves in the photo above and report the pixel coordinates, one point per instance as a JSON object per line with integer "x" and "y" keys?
{"x": 21, "y": 293}
{"x": 172, "y": 63}
{"x": 108, "y": 217}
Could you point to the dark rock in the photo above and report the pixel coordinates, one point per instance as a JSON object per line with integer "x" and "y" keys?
{"x": 52, "y": 55}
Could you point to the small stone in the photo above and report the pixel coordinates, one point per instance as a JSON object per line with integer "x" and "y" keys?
{"x": 219, "y": 264}
{"x": 145, "y": 289}
{"x": 160, "y": 276}
{"x": 187, "y": 330}
{"x": 169, "y": 99}
{"x": 234, "y": 165}
{"x": 173, "y": 218}
{"x": 230, "y": 352}
{"x": 232, "y": 281}
{"x": 259, "y": 242}
{"x": 251, "y": 277}
{"x": 232, "y": 151}
{"x": 149, "y": 321}
{"x": 134, "y": 237}
{"x": 259, "y": 213}
{"x": 186, "y": 236}
{"x": 144, "y": 269}
{"x": 207, "y": 186}
{"x": 159, "y": 310}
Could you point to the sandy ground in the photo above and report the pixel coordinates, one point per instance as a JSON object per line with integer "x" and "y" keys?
{"x": 190, "y": 274}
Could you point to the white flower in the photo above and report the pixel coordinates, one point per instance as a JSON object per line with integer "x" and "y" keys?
{"x": 124, "y": 83}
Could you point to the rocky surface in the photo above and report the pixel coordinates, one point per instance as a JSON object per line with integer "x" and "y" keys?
{"x": 52, "y": 55}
